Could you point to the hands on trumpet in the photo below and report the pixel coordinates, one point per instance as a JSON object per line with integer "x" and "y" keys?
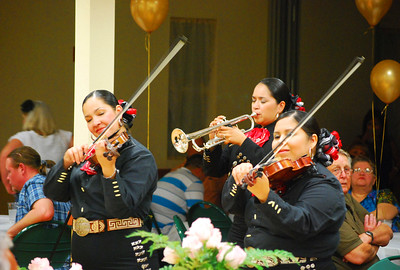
{"x": 230, "y": 134}
{"x": 260, "y": 189}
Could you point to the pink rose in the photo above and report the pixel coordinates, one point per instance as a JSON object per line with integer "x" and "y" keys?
{"x": 233, "y": 255}
{"x": 201, "y": 228}
{"x": 76, "y": 266}
{"x": 193, "y": 243}
{"x": 170, "y": 256}
{"x": 40, "y": 264}
{"x": 215, "y": 239}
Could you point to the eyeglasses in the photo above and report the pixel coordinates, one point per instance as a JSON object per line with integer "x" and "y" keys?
{"x": 338, "y": 171}
{"x": 366, "y": 170}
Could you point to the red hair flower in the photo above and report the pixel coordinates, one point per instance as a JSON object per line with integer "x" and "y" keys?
{"x": 130, "y": 111}
{"x": 299, "y": 105}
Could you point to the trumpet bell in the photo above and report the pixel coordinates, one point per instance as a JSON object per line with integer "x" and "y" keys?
{"x": 179, "y": 140}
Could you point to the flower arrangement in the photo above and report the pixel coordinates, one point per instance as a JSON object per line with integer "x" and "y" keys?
{"x": 202, "y": 249}
{"x": 44, "y": 264}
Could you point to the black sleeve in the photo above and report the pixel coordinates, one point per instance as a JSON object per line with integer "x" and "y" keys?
{"x": 216, "y": 162}
{"x": 233, "y": 197}
{"x": 56, "y": 185}
{"x": 134, "y": 182}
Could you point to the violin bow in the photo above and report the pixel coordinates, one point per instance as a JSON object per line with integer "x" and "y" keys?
{"x": 174, "y": 49}
{"x": 354, "y": 65}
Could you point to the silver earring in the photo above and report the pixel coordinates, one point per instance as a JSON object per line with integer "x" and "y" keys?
{"x": 277, "y": 115}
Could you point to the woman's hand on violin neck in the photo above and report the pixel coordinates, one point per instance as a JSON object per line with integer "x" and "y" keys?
{"x": 75, "y": 154}
{"x": 261, "y": 188}
{"x": 240, "y": 171}
{"x": 104, "y": 159}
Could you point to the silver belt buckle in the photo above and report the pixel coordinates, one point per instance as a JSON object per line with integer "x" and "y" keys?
{"x": 81, "y": 226}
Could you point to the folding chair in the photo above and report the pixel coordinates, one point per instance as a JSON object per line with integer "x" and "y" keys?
{"x": 180, "y": 227}
{"x": 218, "y": 217}
{"x": 386, "y": 264}
{"x": 39, "y": 240}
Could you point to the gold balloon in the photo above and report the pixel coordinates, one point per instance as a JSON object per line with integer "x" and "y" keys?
{"x": 373, "y": 10}
{"x": 385, "y": 80}
{"x": 149, "y": 14}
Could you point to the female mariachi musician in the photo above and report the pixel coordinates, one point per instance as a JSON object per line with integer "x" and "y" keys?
{"x": 306, "y": 218}
{"x": 109, "y": 199}
{"x": 270, "y": 98}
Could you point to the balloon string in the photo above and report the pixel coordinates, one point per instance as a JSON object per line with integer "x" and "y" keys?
{"x": 368, "y": 29}
{"x": 147, "y": 44}
{"x": 384, "y": 111}
{"x": 375, "y": 164}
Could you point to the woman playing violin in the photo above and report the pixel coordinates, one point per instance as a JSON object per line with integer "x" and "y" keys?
{"x": 306, "y": 218}
{"x": 109, "y": 199}
{"x": 270, "y": 98}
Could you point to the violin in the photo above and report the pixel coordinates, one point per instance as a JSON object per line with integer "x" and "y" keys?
{"x": 112, "y": 147}
{"x": 285, "y": 170}
{"x": 280, "y": 172}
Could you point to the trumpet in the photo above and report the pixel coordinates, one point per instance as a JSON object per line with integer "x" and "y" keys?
{"x": 180, "y": 140}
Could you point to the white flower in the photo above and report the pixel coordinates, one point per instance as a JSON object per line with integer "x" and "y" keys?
{"x": 202, "y": 228}
{"x": 215, "y": 239}
{"x": 40, "y": 264}
{"x": 76, "y": 266}
{"x": 233, "y": 255}
{"x": 170, "y": 256}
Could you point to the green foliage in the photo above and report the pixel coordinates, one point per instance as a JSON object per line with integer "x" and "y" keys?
{"x": 206, "y": 258}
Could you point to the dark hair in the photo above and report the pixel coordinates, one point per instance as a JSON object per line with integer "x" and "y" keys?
{"x": 362, "y": 158}
{"x": 27, "y": 106}
{"x": 326, "y": 141}
{"x": 111, "y": 100}
{"x": 310, "y": 127}
{"x": 30, "y": 157}
{"x": 280, "y": 92}
{"x": 195, "y": 160}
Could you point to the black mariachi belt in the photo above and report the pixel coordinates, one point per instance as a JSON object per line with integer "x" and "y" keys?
{"x": 83, "y": 227}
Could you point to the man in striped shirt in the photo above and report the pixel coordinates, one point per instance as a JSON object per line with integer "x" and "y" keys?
{"x": 176, "y": 192}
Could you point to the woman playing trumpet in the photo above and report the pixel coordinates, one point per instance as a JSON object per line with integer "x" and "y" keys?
{"x": 270, "y": 98}
{"x": 306, "y": 218}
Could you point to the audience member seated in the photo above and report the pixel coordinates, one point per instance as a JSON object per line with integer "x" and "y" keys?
{"x": 374, "y": 123}
{"x": 360, "y": 234}
{"x": 358, "y": 149}
{"x": 362, "y": 182}
{"x": 212, "y": 185}
{"x": 26, "y": 174}
{"x": 40, "y": 133}
{"x": 176, "y": 192}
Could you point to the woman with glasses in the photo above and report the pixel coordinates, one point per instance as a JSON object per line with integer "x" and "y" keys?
{"x": 362, "y": 182}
